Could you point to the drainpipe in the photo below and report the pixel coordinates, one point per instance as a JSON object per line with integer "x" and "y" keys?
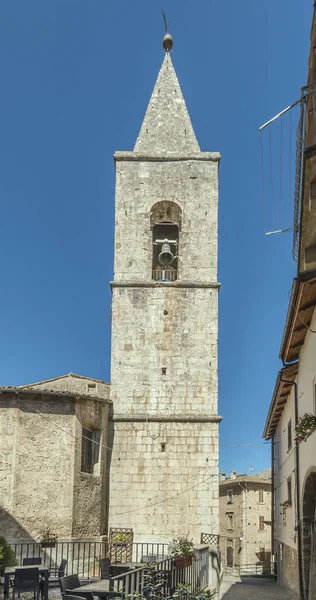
{"x": 272, "y": 500}
{"x": 297, "y": 490}
{"x": 246, "y": 521}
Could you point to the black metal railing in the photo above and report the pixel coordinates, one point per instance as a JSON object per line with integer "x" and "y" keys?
{"x": 164, "y": 572}
{"x": 83, "y": 557}
{"x": 261, "y": 568}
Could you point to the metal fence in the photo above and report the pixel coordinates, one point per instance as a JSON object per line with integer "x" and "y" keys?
{"x": 165, "y": 575}
{"x": 263, "y": 568}
{"x": 83, "y": 557}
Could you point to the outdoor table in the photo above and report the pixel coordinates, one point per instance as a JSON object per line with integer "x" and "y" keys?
{"x": 99, "y": 588}
{"x": 9, "y": 571}
{"x": 102, "y": 587}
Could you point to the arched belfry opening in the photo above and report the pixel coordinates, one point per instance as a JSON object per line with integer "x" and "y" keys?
{"x": 165, "y": 220}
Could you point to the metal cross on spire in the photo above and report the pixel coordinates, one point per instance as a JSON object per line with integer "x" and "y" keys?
{"x": 167, "y": 40}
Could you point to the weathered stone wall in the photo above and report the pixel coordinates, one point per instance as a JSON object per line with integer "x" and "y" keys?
{"x": 89, "y": 497}
{"x": 146, "y": 340}
{"x": 191, "y": 183}
{"x": 143, "y": 476}
{"x": 40, "y": 480}
{"x": 287, "y": 567}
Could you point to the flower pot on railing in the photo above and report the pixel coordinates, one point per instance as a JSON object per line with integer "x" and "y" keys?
{"x": 182, "y": 563}
{"x": 182, "y": 551}
{"x": 48, "y": 539}
{"x": 48, "y": 544}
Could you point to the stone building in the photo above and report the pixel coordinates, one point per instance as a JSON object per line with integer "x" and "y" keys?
{"x": 164, "y": 326}
{"x": 294, "y": 397}
{"x": 245, "y": 519}
{"x": 52, "y": 474}
{"x": 161, "y": 439}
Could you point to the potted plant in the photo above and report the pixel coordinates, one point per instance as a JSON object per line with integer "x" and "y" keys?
{"x": 305, "y": 427}
{"x": 47, "y": 538}
{"x": 7, "y": 556}
{"x": 182, "y": 551}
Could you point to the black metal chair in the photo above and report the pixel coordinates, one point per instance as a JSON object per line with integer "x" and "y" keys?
{"x": 69, "y": 582}
{"x": 26, "y": 580}
{"x": 34, "y": 560}
{"x": 105, "y": 568}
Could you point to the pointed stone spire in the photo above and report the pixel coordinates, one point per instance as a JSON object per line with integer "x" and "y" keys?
{"x": 167, "y": 125}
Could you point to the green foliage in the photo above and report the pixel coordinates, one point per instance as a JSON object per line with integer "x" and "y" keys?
{"x": 182, "y": 547}
{"x": 305, "y": 427}
{"x": 154, "y": 588}
{"x": 46, "y": 535}
{"x": 7, "y": 556}
{"x": 120, "y": 538}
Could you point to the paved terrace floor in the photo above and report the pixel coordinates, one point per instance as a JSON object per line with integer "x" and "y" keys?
{"x": 252, "y": 588}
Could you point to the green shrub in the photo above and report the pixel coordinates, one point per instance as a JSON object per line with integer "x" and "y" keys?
{"x": 7, "y": 556}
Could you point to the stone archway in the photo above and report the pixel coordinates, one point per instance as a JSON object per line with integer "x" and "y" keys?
{"x": 309, "y": 535}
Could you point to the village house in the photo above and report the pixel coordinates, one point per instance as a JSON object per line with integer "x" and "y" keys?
{"x": 245, "y": 521}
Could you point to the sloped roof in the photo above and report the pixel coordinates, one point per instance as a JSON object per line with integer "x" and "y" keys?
{"x": 63, "y": 377}
{"x": 20, "y": 391}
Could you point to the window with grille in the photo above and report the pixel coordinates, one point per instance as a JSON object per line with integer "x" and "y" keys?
{"x": 261, "y": 523}
{"x": 261, "y": 496}
{"x": 230, "y": 520}
{"x": 229, "y": 496}
{"x": 289, "y": 434}
{"x": 90, "y": 451}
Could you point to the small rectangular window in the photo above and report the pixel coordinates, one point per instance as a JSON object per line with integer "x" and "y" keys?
{"x": 262, "y": 554}
{"x": 90, "y": 451}
{"x": 261, "y": 497}
{"x": 91, "y": 387}
{"x": 289, "y": 490}
{"x": 312, "y": 195}
{"x": 289, "y": 434}
{"x": 230, "y": 520}
{"x": 261, "y": 523}
{"x": 229, "y": 496}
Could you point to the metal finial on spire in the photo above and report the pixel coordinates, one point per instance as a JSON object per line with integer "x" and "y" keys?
{"x": 167, "y": 40}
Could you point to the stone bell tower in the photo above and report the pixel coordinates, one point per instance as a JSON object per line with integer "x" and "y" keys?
{"x": 164, "y": 464}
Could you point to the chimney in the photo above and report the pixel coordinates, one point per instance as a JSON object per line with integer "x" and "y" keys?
{"x": 222, "y": 476}
{"x": 233, "y": 475}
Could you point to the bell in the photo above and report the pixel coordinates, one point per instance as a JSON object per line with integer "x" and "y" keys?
{"x": 165, "y": 257}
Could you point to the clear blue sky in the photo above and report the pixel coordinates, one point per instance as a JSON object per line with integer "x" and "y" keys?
{"x": 76, "y": 77}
